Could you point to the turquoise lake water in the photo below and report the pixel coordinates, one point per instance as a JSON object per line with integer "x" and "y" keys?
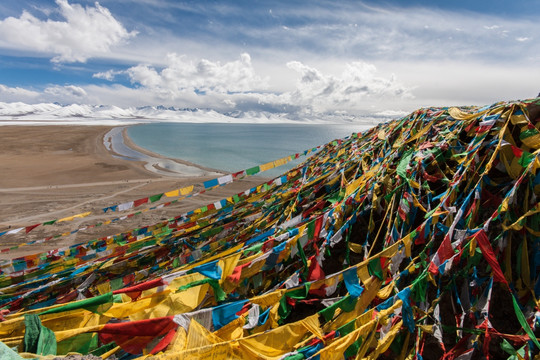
{"x": 234, "y": 147}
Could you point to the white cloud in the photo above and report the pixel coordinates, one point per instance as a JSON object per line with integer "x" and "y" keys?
{"x": 358, "y": 84}
{"x": 17, "y": 94}
{"x": 391, "y": 113}
{"x": 455, "y": 83}
{"x": 145, "y": 76}
{"x": 65, "y": 92}
{"x": 86, "y": 32}
{"x": 203, "y": 76}
{"x": 107, "y": 75}
{"x": 522, "y": 39}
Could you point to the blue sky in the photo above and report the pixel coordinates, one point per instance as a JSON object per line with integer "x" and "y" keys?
{"x": 354, "y": 57}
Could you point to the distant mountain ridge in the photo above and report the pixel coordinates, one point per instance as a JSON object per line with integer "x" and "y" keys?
{"x": 19, "y": 113}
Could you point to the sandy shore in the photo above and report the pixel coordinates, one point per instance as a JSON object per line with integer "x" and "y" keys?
{"x": 52, "y": 172}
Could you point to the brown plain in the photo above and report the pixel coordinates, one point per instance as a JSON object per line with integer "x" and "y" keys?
{"x": 51, "y": 172}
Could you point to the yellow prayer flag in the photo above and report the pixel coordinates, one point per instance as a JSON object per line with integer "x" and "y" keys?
{"x": 173, "y": 193}
{"x": 266, "y": 166}
{"x": 186, "y": 190}
{"x": 71, "y": 218}
{"x": 280, "y": 162}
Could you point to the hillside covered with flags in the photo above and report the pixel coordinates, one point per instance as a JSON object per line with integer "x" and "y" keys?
{"x": 416, "y": 239}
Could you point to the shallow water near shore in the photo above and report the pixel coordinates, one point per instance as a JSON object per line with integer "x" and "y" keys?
{"x": 114, "y": 141}
{"x": 234, "y": 147}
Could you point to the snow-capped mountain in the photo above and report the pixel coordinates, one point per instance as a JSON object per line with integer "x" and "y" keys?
{"x": 18, "y": 113}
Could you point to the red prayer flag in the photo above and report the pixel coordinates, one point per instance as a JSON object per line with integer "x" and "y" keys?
{"x": 31, "y": 227}
{"x": 134, "y": 336}
{"x": 315, "y": 270}
{"x": 489, "y": 255}
{"x": 164, "y": 342}
{"x": 140, "y": 202}
{"x": 444, "y": 253}
{"x": 237, "y": 174}
{"x": 237, "y": 273}
{"x": 135, "y": 291}
{"x": 517, "y": 151}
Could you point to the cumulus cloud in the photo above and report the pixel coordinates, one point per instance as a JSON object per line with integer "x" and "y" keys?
{"x": 357, "y": 84}
{"x": 107, "y": 75}
{"x": 17, "y": 94}
{"x": 85, "y": 32}
{"x": 182, "y": 76}
{"x": 69, "y": 91}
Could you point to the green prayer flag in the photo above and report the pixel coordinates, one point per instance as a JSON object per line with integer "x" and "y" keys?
{"x": 32, "y": 330}
{"x": 508, "y": 348}
{"x": 527, "y": 133}
{"x": 192, "y": 284}
{"x": 346, "y": 304}
{"x": 38, "y": 339}
{"x": 255, "y": 248}
{"x": 526, "y": 158}
{"x": 347, "y": 328}
{"x": 401, "y": 169}
{"x": 419, "y": 288}
{"x": 297, "y": 356}
{"x": 219, "y": 294}
{"x": 155, "y": 198}
{"x": 252, "y": 171}
{"x": 103, "y": 349}
{"x": 523, "y": 322}
{"x": 298, "y": 294}
{"x": 353, "y": 348}
{"x": 337, "y": 196}
{"x": 81, "y": 343}
{"x": 303, "y": 257}
{"x": 375, "y": 268}
{"x": 311, "y": 230}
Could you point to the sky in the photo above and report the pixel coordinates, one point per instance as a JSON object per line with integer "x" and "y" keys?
{"x": 292, "y": 57}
